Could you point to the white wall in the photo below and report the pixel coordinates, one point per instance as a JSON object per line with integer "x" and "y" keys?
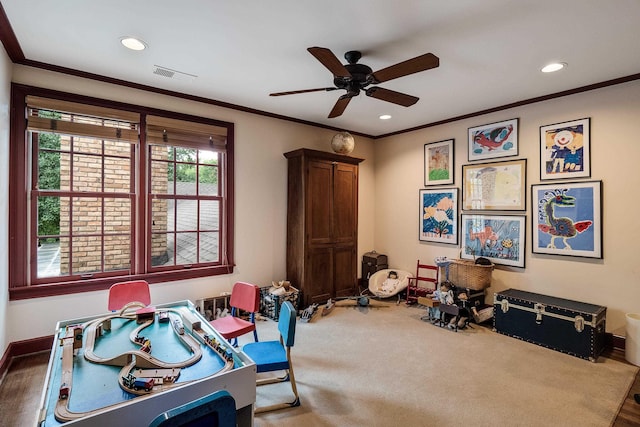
{"x": 613, "y": 281}
{"x": 260, "y": 197}
{"x": 5, "y": 99}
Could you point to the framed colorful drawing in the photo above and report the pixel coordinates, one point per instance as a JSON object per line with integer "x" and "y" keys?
{"x": 500, "y": 238}
{"x": 439, "y": 215}
{"x": 493, "y": 140}
{"x": 439, "y": 163}
{"x": 495, "y": 186}
{"x": 567, "y": 219}
{"x": 565, "y": 150}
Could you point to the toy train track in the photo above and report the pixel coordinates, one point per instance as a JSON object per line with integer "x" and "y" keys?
{"x": 157, "y": 376}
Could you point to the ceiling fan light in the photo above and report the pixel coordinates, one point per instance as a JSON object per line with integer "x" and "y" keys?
{"x": 133, "y": 43}
{"x": 553, "y": 67}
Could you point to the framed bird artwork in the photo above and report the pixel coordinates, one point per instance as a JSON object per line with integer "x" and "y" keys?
{"x": 567, "y": 218}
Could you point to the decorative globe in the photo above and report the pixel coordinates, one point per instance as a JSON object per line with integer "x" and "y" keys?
{"x": 343, "y": 143}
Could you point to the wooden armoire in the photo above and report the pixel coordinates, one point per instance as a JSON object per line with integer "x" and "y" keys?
{"x": 322, "y": 224}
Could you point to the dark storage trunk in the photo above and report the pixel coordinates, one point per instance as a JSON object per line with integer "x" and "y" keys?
{"x": 571, "y": 327}
{"x": 372, "y": 262}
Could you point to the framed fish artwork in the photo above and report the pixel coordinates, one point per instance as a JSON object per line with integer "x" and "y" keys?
{"x": 493, "y": 140}
{"x": 567, "y": 219}
{"x": 499, "y": 238}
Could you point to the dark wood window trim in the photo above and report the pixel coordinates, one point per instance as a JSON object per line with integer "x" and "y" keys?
{"x": 20, "y": 287}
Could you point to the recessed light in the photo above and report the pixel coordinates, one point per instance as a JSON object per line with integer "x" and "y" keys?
{"x": 133, "y": 43}
{"x": 554, "y": 66}
{"x": 385, "y": 117}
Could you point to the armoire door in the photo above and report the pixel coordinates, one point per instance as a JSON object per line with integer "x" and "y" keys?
{"x": 344, "y": 274}
{"x": 345, "y": 203}
{"x": 318, "y": 284}
{"x": 319, "y": 202}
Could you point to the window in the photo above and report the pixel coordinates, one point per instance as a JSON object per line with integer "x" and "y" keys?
{"x": 185, "y": 206}
{"x": 114, "y": 192}
{"x": 185, "y": 191}
{"x": 82, "y": 192}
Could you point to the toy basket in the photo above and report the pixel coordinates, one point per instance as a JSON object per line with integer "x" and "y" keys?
{"x": 468, "y": 274}
{"x": 270, "y": 302}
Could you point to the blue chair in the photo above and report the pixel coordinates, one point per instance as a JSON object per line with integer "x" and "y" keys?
{"x": 271, "y": 356}
{"x": 214, "y": 410}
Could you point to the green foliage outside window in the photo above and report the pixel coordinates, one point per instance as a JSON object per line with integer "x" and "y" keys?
{"x": 187, "y": 172}
{"x": 49, "y": 178}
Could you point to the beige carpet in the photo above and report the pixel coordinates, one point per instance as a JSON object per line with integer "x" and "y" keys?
{"x": 386, "y": 367}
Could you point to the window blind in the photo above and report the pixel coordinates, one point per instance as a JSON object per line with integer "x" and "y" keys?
{"x": 164, "y": 131}
{"x": 89, "y": 120}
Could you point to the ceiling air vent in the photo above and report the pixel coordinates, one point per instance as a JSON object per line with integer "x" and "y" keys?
{"x": 163, "y": 72}
{"x": 172, "y": 74}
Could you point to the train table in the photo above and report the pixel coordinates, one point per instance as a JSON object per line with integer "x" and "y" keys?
{"x": 125, "y": 368}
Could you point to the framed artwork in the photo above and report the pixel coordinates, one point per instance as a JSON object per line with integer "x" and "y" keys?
{"x": 439, "y": 215}
{"x": 567, "y": 219}
{"x": 439, "y": 163}
{"x": 493, "y": 140}
{"x": 495, "y": 186}
{"x": 499, "y": 238}
{"x": 565, "y": 150}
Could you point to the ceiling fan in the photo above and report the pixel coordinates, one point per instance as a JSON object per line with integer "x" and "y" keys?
{"x": 354, "y": 77}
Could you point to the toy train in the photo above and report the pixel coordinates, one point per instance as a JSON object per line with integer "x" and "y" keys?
{"x": 216, "y": 345}
{"x": 138, "y": 383}
{"x": 178, "y": 326}
{"x": 64, "y": 391}
{"x": 144, "y": 383}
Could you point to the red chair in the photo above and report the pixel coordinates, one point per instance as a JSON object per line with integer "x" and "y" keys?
{"x": 135, "y": 292}
{"x": 423, "y": 284}
{"x": 245, "y": 297}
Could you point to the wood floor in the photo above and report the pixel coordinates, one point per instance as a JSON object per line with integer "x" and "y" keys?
{"x": 629, "y": 414}
{"x": 20, "y": 390}
{"x": 21, "y": 387}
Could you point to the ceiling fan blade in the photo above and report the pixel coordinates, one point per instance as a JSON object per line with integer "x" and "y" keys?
{"x": 329, "y": 60}
{"x": 340, "y": 106}
{"x": 410, "y": 66}
{"x": 391, "y": 96}
{"x": 293, "y": 92}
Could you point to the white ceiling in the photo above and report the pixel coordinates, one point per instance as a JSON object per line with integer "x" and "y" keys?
{"x": 490, "y": 51}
